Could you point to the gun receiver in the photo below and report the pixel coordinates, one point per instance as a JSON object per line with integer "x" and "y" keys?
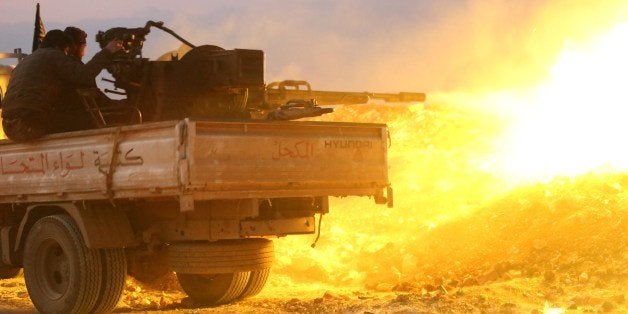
{"x": 278, "y": 93}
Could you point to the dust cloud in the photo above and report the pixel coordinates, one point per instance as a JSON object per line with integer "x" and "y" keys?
{"x": 461, "y": 220}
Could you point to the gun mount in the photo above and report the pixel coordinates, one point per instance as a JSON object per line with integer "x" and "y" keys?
{"x": 211, "y": 82}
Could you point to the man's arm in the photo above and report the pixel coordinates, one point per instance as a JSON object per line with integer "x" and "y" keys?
{"x": 83, "y": 75}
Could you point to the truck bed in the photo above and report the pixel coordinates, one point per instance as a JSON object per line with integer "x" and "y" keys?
{"x": 199, "y": 159}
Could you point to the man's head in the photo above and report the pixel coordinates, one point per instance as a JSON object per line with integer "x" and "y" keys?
{"x": 79, "y": 41}
{"x": 56, "y": 39}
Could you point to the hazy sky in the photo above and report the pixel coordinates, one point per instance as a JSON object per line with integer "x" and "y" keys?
{"x": 376, "y": 45}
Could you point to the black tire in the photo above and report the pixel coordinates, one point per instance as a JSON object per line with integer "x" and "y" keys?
{"x": 221, "y": 257}
{"x": 215, "y": 288}
{"x": 62, "y": 275}
{"x": 8, "y": 272}
{"x": 256, "y": 283}
{"x": 112, "y": 283}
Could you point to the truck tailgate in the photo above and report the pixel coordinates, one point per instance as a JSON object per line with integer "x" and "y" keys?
{"x": 274, "y": 159}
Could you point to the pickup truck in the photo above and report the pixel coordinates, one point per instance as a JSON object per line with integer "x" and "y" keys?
{"x": 195, "y": 170}
{"x": 203, "y": 198}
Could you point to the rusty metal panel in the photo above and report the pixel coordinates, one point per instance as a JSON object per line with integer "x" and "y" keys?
{"x": 221, "y": 229}
{"x": 224, "y": 229}
{"x": 61, "y": 165}
{"x": 301, "y": 225}
{"x": 288, "y": 156}
{"x": 183, "y": 229}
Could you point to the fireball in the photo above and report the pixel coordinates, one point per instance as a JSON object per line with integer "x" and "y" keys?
{"x": 575, "y": 122}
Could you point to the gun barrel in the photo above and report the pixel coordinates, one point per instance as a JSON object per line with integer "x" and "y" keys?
{"x": 277, "y": 93}
{"x": 400, "y": 97}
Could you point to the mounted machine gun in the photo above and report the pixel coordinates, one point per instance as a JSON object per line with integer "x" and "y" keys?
{"x": 211, "y": 82}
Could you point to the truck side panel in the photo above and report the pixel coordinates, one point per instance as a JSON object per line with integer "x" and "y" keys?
{"x": 77, "y": 165}
{"x": 287, "y": 157}
{"x": 198, "y": 160}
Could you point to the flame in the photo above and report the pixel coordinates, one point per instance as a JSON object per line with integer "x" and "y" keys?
{"x": 452, "y": 158}
{"x": 439, "y": 169}
{"x": 576, "y": 120}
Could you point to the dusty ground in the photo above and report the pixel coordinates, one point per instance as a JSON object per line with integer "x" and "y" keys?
{"x": 460, "y": 238}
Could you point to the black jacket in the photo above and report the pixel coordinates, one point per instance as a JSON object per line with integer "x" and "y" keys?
{"x": 38, "y": 81}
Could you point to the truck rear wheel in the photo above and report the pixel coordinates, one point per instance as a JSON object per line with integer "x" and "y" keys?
{"x": 113, "y": 275}
{"x": 62, "y": 275}
{"x": 8, "y": 272}
{"x": 221, "y": 257}
{"x": 214, "y": 288}
{"x": 256, "y": 283}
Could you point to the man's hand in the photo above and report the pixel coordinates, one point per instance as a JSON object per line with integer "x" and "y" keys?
{"x": 114, "y": 46}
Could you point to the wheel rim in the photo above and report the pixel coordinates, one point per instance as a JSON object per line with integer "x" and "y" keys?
{"x": 52, "y": 266}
